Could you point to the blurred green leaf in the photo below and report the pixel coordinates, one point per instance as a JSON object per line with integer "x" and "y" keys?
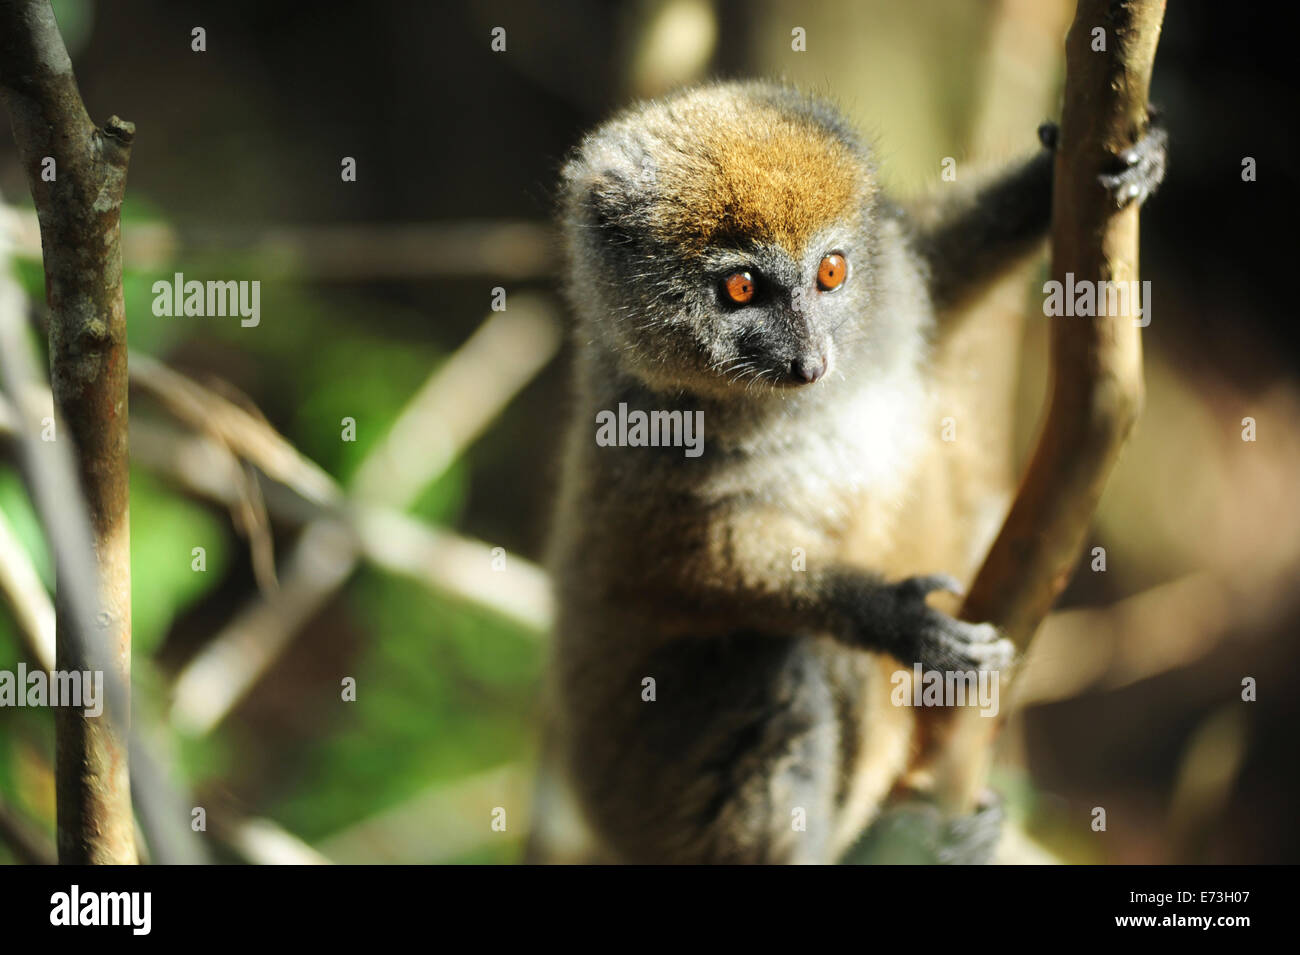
{"x": 444, "y": 691}
{"x": 164, "y": 530}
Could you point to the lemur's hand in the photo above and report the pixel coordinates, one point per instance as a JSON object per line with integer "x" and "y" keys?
{"x": 1137, "y": 171}
{"x": 1140, "y": 169}
{"x": 937, "y": 641}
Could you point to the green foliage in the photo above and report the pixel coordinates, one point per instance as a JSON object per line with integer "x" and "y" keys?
{"x": 22, "y": 730}
{"x": 164, "y": 530}
{"x": 31, "y": 276}
{"x": 443, "y": 691}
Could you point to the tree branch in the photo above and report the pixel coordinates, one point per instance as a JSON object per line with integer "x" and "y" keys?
{"x": 77, "y": 175}
{"x": 1096, "y": 362}
{"x": 504, "y": 250}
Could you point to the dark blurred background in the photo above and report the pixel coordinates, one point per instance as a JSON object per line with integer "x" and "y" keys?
{"x": 371, "y": 288}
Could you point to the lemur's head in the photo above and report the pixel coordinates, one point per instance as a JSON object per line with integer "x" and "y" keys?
{"x": 719, "y": 240}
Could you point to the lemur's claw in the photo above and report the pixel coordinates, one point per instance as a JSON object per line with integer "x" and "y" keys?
{"x": 940, "y": 642}
{"x": 1140, "y": 168}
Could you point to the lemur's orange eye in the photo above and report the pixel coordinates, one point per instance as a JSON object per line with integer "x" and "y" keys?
{"x": 739, "y": 287}
{"x": 832, "y": 272}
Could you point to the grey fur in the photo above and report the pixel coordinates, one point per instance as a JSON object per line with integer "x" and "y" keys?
{"x": 770, "y": 681}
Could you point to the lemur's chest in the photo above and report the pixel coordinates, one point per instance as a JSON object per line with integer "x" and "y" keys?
{"x": 845, "y": 468}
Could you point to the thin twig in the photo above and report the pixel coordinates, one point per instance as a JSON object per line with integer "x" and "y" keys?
{"x": 509, "y": 251}
{"x": 204, "y": 465}
{"x": 457, "y": 402}
{"x": 263, "y": 842}
{"x": 21, "y": 588}
{"x": 248, "y": 437}
{"x": 441, "y": 560}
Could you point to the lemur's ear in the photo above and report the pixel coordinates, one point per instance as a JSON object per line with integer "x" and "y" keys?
{"x": 610, "y": 180}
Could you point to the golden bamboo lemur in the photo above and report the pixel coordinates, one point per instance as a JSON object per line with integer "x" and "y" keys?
{"x": 728, "y": 620}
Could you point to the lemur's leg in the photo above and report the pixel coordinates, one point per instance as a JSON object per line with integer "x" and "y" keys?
{"x": 743, "y": 739}
{"x": 736, "y": 760}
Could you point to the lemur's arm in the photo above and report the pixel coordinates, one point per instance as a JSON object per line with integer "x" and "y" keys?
{"x": 758, "y": 591}
{"x": 969, "y": 235}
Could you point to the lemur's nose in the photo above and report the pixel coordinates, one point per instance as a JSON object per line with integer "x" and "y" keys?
{"x": 808, "y": 369}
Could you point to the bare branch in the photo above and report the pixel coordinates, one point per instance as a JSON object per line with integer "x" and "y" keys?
{"x": 263, "y": 842}
{"x": 457, "y": 566}
{"x": 79, "y": 208}
{"x": 247, "y": 435}
{"x": 51, "y": 476}
{"x": 1096, "y": 362}
{"x": 213, "y": 464}
{"x": 508, "y": 250}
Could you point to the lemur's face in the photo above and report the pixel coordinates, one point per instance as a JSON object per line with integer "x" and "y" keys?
{"x": 770, "y": 314}
{"x": 731, "y": 265}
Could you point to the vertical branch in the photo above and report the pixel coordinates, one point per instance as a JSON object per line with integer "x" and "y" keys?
{"x": 77, "y": 175}
{"x": 1096, "y": 362}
